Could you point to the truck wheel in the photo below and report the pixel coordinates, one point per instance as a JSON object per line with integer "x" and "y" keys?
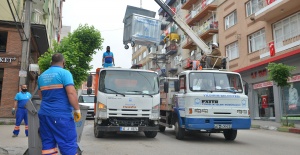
{"x": 162, "y": 128}
{"x": 150, "y": 134}
{"x": 97, "y": 133}
{"x": 179, "y": 132}
{"x": 230, "y": 134}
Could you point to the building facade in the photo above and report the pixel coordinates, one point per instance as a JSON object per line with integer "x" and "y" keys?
{"x": 250, "y": 33}
{"x": 45, "y": 27}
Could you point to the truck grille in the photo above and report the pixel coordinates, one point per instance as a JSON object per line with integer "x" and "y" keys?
{"x": 129, "y": 121}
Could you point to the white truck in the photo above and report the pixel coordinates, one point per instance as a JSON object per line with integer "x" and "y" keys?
{"x": 126, "y": 100}
{"x": 203, "y": 100}
{"x": 211, "y": 101}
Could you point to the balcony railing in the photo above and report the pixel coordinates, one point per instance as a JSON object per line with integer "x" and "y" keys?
{"x": 267, "y": 5}
{"x": 208, "y": 26}
{"x": 171, "y": 49}
{"x": 201, "y": 10}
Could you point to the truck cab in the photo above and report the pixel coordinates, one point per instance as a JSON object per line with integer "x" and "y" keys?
{"x": 126, "y": 100}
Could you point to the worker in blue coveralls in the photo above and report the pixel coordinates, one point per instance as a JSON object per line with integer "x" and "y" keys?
{"x": 108, "y": 58}
{"x": 59, "y": 99}
{"x": 21, "y": 99}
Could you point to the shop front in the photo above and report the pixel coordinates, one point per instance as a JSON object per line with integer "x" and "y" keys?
{"x": 263, "y": 96}
{"x": 290, "y": 98}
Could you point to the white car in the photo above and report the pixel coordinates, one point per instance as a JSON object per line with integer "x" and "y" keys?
{"x": 87, "y": 100}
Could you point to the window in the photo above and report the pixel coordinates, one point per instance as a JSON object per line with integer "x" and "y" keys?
{"x": 144, "y": 54}
{"x": 286, "y": 29}
{"x": 140, "y": 57}
{"x": 253, "y": 6}
{"x": 232, "y": 51}
{"x": 257, "y": 41}
{"x": 3, "y": 41}
{"x": 230, "y": 20}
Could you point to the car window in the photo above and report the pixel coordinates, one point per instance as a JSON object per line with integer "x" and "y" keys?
{"x": 88, "y": 99}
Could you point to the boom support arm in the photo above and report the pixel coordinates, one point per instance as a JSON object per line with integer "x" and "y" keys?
{"x": 184, "y": 27}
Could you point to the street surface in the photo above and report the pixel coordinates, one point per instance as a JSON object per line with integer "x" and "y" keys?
{"x": 248, "y": 142}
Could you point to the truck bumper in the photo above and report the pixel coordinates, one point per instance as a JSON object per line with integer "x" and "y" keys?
{"x": 118, "y": 128}
{"x": 209, "y": 123}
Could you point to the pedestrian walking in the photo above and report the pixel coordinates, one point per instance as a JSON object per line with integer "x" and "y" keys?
{"x": 108, "y": 58}
{"x": 59, "y": 99}
{"x": 19, "y": 109}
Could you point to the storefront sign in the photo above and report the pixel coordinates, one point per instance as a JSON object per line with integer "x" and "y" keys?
{"x": 7, "y": 59}
{"x": 259, "y": 73}
{"x": 263, "y": 85}
{"x": 294, "y": 78}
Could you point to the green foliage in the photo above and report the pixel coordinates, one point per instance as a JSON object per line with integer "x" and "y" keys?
{"x": 78, "y": 50}
{"x": 280, "y": 73}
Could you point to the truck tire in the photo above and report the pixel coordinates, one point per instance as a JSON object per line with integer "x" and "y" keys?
{"x": 97, "y": 133}
{"x": 230, "y": 134}
{"x": 150, "y": 134}
{"x": 162, "y": 128}
{"x": 179, "y": 132}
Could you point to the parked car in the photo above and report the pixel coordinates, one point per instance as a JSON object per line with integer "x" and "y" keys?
{"x": 87, "y": 100}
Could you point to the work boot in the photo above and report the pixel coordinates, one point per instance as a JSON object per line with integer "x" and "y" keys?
{"x": 14, "y": 135}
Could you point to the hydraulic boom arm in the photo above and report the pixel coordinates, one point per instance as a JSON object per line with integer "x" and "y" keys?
{"x": 186, "y": 28}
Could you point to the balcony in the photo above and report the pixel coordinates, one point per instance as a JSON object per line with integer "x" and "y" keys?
{"x": 188, "y": 4}
{"x": 200, "y": 12}
{"x": 171, "y": 49}
{"x": 275, "y": 9}
{"x": 189, "y": 43}
{"x": 208, "y": 28}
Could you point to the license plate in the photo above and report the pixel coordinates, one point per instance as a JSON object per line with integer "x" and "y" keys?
{"x": 129, "y": 128}
{"x": 223, "y": 126}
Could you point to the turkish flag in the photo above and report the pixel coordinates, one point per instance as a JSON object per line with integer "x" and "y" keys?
{"x": 264, "y": 101}
{"x": 203, "y": 4}
{"x": 270, "y": 1}
{"x": 272, "y": 48}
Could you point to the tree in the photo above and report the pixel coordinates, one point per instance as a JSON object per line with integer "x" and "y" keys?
{"x": 279, "y": 73}
{"x": 78, "y": 48}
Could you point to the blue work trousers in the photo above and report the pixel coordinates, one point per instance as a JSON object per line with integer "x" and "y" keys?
{"x": 58, "y": 131}
{"x": 21, "y": 114}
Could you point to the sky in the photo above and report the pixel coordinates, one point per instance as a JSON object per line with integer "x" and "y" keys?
{"x": 106, "y": 16}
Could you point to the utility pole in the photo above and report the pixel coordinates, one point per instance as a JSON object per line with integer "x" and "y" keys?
{"x": 26, "y": 43}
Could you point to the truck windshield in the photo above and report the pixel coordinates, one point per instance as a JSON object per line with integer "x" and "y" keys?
{"x": 128, "y": 82}
{"x": 215, "y": 82}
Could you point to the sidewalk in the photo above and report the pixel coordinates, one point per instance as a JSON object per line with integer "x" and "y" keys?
{"x": 272, "y": 125}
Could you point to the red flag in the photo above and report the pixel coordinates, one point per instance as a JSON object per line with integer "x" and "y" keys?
{"x": 270, "y": 1}
{"x": 264, "y": 101}
{"x": 272, "y": 48}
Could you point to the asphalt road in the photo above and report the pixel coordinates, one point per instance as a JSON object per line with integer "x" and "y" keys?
{"x": 248, "y": 142}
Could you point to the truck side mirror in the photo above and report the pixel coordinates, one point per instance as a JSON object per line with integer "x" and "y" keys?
{"x": 176, "y": 85}
{"x": 89, "y": 81}
{"x": 246, "y": 88}
{"x": 166, "y": 87}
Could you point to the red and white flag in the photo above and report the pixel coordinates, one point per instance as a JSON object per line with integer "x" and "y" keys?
{"x": 272, "y": 48}
{"x": 270, "y": 1}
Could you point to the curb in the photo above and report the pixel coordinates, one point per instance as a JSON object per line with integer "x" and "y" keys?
{"x": 9, "y": 122}
{"x": 280, "y": 129}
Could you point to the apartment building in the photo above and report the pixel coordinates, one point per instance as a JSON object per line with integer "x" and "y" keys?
{"x": 253, "y": 33}
{"x": 45, "y": 27}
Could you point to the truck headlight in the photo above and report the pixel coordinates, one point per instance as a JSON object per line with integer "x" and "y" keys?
{"x": 155, "y": 112}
